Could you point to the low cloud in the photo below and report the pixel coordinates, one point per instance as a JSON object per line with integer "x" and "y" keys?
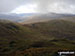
{"x": 43, "y": 6}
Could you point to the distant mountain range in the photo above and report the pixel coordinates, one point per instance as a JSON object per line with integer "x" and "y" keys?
{"x": 15, "y": 17}
{"x": 33, "y": 17}
{"x": 47, "y": 17}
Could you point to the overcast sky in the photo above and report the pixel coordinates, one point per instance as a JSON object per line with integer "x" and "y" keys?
{"x": 42, "y": 6}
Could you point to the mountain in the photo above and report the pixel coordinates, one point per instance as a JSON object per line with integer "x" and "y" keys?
{"x": 56, "y": 28}
{"x": 33, "y": 17}
{"x": 16, "y": 17}
{"x": 37, "y": 39}
{"x": 14, "y": 36}
{"x": 46, "y": 17}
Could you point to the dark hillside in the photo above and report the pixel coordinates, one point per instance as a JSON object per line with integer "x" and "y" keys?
{"x": 39, "y": 39}
{"x": 14, "y": 36}
{"x": 56, "y": 28}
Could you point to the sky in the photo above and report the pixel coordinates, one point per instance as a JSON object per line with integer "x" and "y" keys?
{"x": 37, "y": 6}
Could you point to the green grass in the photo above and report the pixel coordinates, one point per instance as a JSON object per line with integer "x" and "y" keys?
{"x": 39, "y": 39}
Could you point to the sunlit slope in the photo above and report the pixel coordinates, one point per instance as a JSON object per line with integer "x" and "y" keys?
{"x": 70, "y": 18}
{"x": 48, "y": 17}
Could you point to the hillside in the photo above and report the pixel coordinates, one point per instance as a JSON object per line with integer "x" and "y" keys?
{"x": 14, "y": 36}
{"x": 56, "y": 28}
{"x": 38, "y": 39}
{"x": 72, "y": 18}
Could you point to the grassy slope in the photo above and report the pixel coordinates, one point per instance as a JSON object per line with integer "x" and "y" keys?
{"x": 56, "y": 28}
{"x": 14, "y": 36}
{"x": 36, "y": 39}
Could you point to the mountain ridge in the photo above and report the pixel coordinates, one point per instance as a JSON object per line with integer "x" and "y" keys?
{"x": 46, "y": 17}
